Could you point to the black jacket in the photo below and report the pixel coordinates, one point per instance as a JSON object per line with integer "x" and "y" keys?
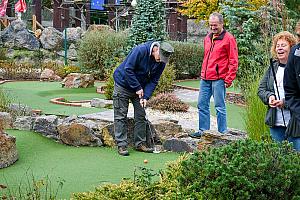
{"x": 291, "y": 83}
{"x": 265, "y": 90}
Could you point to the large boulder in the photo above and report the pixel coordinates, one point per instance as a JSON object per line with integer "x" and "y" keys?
{"x": 49, "y": 75}
{"x": 51, "y": 39}
{"x": 78, "y": 80}
{"x": 46, "y": 125}
{"x": 78, "y": 134}
{"x": 73, "y": 34}
{"x": 5, "y": 120}
{"x": 8, "y": 150}
{"x": 16, "y": 35}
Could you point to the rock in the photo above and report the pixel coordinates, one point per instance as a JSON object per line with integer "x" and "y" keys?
{"x": 76, "y": 134}
{"x": 17, "y": 36}
{"x": 5, "y": 120}
{"x": 49, "y": 75}
{"x": 166, "y": 128}
{"x": 46, "y": 125}
{"x": 181, "y": 144}
{"x": 73, "y": 34}
{"x": 51, "y": 39}
{"x": 71, "y": 53}
{"x": 8, "y": 150}
{"x": 77, "y": 80}
{"x": 101, "y": 103}
{"x": 23, "y": 123}
{"x": 212, "y": 138}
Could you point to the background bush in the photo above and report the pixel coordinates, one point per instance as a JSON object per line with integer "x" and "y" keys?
{"x": 243, "y": 170}
{"x": 168, "y": 102}
{"x": 165, "y": 83}
{"x": 187, "y": 59}
{"x": 96, "y": 50}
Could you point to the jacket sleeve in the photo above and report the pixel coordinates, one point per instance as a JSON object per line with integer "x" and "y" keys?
{"x": 291, "y": 87}
{"x": 132, "y": 62}
{"x": 151, "y": 85}
{"x": 263, "y": 92}
{"x": 233, "y": 61}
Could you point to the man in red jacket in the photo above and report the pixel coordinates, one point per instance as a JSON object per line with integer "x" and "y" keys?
{"x": 219, "y": 69}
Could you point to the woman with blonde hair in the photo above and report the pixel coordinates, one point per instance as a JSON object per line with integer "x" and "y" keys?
{"x": 271, "y": 90}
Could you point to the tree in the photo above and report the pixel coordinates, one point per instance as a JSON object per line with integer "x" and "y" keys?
{"x": 148, "y": 22}
{"x": 201, "y": 9}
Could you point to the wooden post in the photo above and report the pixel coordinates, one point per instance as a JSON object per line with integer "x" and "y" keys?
{"x": 33, "y": 23}
{"x": 57, "y": 14}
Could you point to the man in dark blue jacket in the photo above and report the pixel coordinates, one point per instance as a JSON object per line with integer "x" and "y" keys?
{"x": 135, "y": 80}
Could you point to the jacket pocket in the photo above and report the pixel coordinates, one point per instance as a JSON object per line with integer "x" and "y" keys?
{"x": 270, "y": 117}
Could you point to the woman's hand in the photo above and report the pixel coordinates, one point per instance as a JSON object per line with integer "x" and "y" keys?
{"x": 275, "y": 103}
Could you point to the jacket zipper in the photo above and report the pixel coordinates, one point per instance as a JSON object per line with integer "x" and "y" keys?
{"x": 210, "y": 50}
{"x": 217, "y": 69}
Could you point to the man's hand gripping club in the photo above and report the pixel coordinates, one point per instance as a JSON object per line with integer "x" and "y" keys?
{"x": 143, "y": 102}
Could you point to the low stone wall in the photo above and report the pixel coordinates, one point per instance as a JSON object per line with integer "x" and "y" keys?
{"x": 98, "y": 130}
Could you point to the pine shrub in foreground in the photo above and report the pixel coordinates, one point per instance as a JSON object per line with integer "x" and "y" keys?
{"x": 243, "y": 170}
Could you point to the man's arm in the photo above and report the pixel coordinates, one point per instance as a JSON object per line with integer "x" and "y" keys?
{"x": 232, "y": 62}
{"x": 132, "y": 62}
{"x": 150, "y": 87}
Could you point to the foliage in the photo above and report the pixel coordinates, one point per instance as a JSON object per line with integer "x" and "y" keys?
{"x": 253, "y": 30}
{"x": 187, "y": 59}
{"x": 165, "y": 189}
{"x": 148, "y": 22}
{"x": 168, "y": 102}
{"x": 3, "y": 53}
{"x": 201, "y": 10}
{"x": 96, "y": 48}
{"x": 18, "y": 70}
{"x": 255, "y": 115}
{"x": 165, "y": 83}
{"x": 5, "y": 100}
{"x": 35, "y": 189}
{"x": 243, "y": 170}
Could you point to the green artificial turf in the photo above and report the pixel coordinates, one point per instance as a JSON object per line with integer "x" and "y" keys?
{"x": 81, "y": 168}
{"x": 196, "y": 84}
{"x": 235, "y": 114}
{"x": 37, "y": 95}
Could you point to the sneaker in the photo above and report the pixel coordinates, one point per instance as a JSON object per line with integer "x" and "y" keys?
{"x": 196, "y": 134}
{"x": 143, "y": 148}
{"x": 123, "y": 151}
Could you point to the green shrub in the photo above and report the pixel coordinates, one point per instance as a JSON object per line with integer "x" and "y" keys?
{"x": 5, "y": 100}
{"x": 255, "y": 115}
{"x": 3, "y": 52}
{"x": 168, "y": 102}
{"x": 187, "y": 59}
{"x": 243, "y": 170}
{"x": 165, "y": 83}
{"x": 96, "y": 48}
{"x": 164, "y": 189}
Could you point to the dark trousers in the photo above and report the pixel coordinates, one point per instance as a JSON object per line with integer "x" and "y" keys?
{"x": 121, "y": 97}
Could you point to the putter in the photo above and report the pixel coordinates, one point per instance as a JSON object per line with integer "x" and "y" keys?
{"x": 155, "y": 150}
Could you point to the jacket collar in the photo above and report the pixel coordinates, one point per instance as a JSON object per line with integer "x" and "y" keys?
{"x": 220, "y": 37}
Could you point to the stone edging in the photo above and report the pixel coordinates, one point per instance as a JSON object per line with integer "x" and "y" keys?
{"x": 61, "y": 101}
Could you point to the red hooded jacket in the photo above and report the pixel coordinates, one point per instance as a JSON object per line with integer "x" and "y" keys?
{"x": 220, "y": 57}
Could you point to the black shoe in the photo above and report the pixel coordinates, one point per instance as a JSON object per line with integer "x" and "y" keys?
{"x": 143, "y": 148}
{"x": 196, "y": 134}
{"x": 123, "y": 151}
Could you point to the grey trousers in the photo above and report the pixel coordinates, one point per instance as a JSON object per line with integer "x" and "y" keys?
{"x": 121, "y": 97}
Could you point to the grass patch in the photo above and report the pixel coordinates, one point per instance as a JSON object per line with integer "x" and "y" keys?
{"x": 235, "y": 115}
{"x": 37, "y": 95}
{"x": 81, "y": 169}
{"x": 196, "y": 84}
